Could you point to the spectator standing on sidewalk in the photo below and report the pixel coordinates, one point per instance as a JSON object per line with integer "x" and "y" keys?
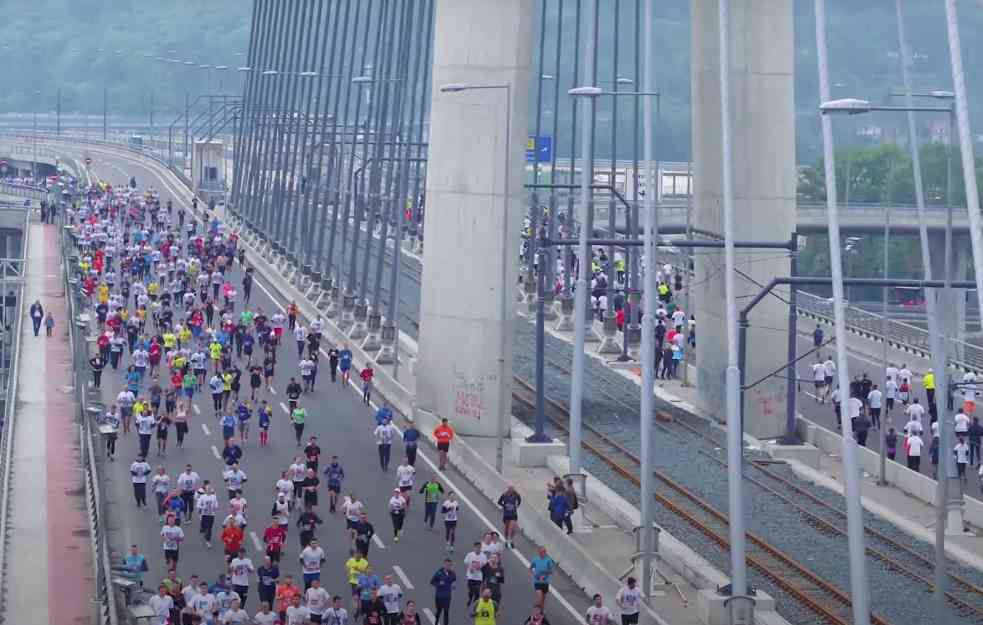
{"x": 37, "y": 315}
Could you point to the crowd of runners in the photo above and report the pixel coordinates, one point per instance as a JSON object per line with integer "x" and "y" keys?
{"x": 174, "y": 325}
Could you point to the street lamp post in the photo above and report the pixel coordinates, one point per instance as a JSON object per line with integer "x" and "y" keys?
{"x": 938, "y": 330}
{"x": 859, "y": 587}
{"x": 503, "y": 414}
{"x": 648, "y": 319}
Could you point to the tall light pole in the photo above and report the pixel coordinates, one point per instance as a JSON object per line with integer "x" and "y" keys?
{"x": 503, "y": 300}
{"x": 938, "y": 341}
{"x": 735, "y": 435}
{"x": 860, "y": 591}
{"x": 650, "y": 240}
{"x": 34, "y": 163}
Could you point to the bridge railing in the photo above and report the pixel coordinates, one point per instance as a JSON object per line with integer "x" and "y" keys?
{"x": 88, "y": 435}
{"x": 899, "y": 334}
{"x": 9, "y": 363}
{"x": 23, "y": 190}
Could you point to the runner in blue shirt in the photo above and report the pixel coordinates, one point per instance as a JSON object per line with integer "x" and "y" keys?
{"x": 411, "y": 437}
{"x": 345, "y": 363}
{"x": 382, "y": 414}
{"x": 336, "y": 475}
{"x": 136, "y": 564}
{"x": 542, "y": 568}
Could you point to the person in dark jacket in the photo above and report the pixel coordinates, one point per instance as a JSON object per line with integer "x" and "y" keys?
{"x": 443, "y": 586}
{"x": 37, "y": 315}
{"x": 975, "y": 435}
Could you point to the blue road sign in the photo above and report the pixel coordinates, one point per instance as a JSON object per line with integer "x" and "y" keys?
{"x": 539, "y": 149}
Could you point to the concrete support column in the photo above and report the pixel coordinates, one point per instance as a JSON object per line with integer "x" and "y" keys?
{"x": 465, "y": 339}
{"x": 762, "y": 78}
{"x": 962, "y": 253}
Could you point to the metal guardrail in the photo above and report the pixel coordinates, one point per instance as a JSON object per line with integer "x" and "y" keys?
{"x": 23, "y": 190}
{"x": 8, "y": 425}
{"x": 899, "y": 335}
{"x": 10, "y": 149}
{"x": 95, "y": 505}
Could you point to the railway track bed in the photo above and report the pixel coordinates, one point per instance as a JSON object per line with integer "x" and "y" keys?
{"x": 802, "y": 564}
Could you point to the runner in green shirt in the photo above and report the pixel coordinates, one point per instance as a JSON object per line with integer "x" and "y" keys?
{"x": 298, "y": 417}
{"x": 432, "y": 490}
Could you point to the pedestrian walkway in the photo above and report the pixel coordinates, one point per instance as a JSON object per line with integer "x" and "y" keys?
{"x": 49, "y": 571}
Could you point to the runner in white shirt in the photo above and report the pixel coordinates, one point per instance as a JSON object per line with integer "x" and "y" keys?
{"x": 266, "y": 616}
{"x": 961, "y": 450}
{"x": 891, "y": 373}
{"x": 317, "y": 599}
{"x": 241, "y": 568}
{"x": 235, "y": 615}
{"x": 311, "y": 559}
{"x": 300, "y": 335}
{"x": 629, "y": 600}
{"x": 830, "y": 368}
{"x": 392, "y": 596}
{"x": 915, "y": 411}
{"x": 904, "y": 374}
{"x": 598, "y": 614}
{"x": 397, "y": 512}
{"x": 206, "y": 501}
{"x": 913, "y": 427}
{"x": 819, "y": 380}
{"x": 914, "y": 446}
{"x": 335, "y": 615}
{"x": 351, "y": 507}
{"x": 874, "y": 398}
{"x": 405, "y": 476}
{"x": 474, "y": 562}
{"x": 171, "y": 537}
{"x": 962, "y": 423}
{"x": 890, "y": 393}
{"x": 451, "y": 510}
{"x": 161, "y": 604}
{"x": 297, "y": 614}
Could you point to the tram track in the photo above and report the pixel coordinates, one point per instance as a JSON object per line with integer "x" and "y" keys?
{"x": 827, "y": 602}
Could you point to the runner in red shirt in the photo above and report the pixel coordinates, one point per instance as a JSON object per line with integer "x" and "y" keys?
{"x": 367, "y": 374}
{"x": 443, "y": 434}
{"x": 274, "y": 536}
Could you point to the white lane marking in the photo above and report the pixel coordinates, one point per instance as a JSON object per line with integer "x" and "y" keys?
{"x": 407, "y": 584}
{"x": 272, "y": 391}
{"x": 196, "y": 408}
{"x": 204, "y": 428}
{"x": 431, "y": 617}
{"x": 378, "y": 541}
{"x": 283, "y": 407}
{"x": 215, "y": 453}
{"x": 256, "y": 541}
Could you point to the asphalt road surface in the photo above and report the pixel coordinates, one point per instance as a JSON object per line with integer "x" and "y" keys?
{"x": 344, "y": 427}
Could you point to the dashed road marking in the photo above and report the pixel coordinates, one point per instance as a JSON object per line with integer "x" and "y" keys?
{"x": 204, "y": 428}
{"x": 407, "y": 584}
{"x": 378, "y": 541}
{"x": 215, "y": 453}
{"x": 196, "y": 408}
{"x": 430, "y": 615}
{"x": 283, "y": 407}
{"x": 256, "y": 541}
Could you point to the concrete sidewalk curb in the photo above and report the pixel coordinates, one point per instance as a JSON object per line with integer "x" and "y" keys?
{"x": 956, "y": 552}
